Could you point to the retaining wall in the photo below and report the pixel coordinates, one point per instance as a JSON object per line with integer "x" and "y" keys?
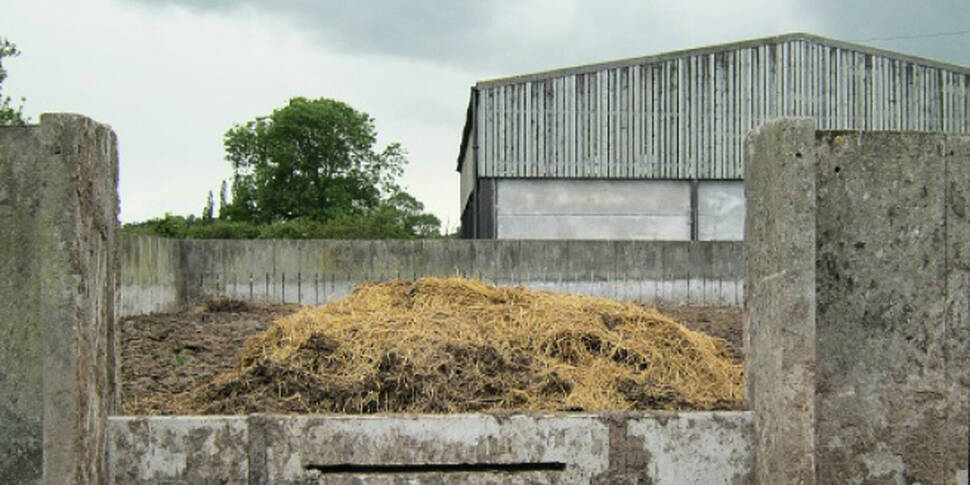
{"x": 58, "y": 281}
{"x": 856, "y": 327}
{"x": 163, "y": 275}
{"x": 656, "y": 448}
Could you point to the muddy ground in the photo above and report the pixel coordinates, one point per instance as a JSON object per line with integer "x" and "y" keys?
{"x": 166, "y": 354}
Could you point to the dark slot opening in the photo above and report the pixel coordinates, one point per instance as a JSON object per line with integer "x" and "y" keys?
{"x": 550, "y": 466}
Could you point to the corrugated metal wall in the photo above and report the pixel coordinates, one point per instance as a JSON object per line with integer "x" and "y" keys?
{"x": 685, "y": 117}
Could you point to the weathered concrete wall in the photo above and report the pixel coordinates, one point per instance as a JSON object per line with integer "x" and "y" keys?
{"x": 160, "y": 275}
{"x": 151, "y": 275}
{"x": 780, "y": 304}
{"x": 856, "y": 316}
{"x": 59, "y": 261}
{"x": 720, "y": 210}
{"x": 656, "y": 448}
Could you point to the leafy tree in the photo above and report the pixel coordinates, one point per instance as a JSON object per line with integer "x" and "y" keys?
{"x": 312, "y": 159}
{"x": 9, "y": 115}
{"x": 309, "y": 170}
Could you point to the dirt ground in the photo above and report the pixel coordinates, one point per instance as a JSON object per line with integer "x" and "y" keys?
{"x": 166, "y": 354}
{"x": 723, "y": 322}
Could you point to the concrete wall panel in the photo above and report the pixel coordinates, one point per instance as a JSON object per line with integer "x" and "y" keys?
{"x": 695, "y": 448}
{"x": 957, "y": 339}
{"x": 178, "y": 449}
{"x": 720, "y": 210}
{"x": 298, "y": 449}
{"x": 316, "y": 272}
{"x": 593, "y": 209}
{"x": 602, "y": 449}
{"x": 593, "y": 197}
{"x": 59, "y": 260}
{"x": 779, "y": 327}
{"x": 152, "y": 277}
{"x": 584, "y": 227}
{"x": 881, "y": 326}
{"x": 856, "y": 318}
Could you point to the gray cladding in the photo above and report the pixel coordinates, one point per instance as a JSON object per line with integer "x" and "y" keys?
{"x": 684, "y": 115}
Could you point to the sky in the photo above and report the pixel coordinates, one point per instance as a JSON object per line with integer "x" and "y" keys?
{"x": 171, "y": 76}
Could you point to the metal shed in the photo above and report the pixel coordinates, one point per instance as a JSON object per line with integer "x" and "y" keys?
{"x": 652, "y": 147}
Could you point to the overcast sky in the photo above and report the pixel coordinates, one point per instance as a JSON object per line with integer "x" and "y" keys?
{"x": 171, "y": 76}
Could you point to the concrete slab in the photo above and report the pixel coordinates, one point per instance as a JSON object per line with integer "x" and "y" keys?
{"x": 694, "y": 448}
{"x": 179, "y": 449}
{"x": 607, "y": 448}
{"x": 298, "y": 449}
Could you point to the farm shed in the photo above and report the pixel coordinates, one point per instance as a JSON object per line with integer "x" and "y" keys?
{"x": 652, "y": 147}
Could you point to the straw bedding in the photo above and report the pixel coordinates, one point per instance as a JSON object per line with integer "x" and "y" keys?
{"x": 458, "y": 345}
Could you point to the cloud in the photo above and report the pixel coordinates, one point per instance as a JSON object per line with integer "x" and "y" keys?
{"x": 863, "y": 20}
{"x": 503, "y": 37}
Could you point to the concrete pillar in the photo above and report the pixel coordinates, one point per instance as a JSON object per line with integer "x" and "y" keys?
{"x": 59, "y": 267}
{"x": 856, "y": 314}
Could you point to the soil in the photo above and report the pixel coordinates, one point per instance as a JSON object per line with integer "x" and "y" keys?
{"x": 167, "y": 354}
{"x": 723, "y": 322}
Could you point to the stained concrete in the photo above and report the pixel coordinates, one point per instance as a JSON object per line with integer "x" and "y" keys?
{"x": 656, "y": 448}
{"x": 151, "y": 277}
{"x": 182, "y": 449}
{"x": 693, "y": 448}
{"x": 58, "y": 255}
{"x": 720, "y": 210}
{"x": 779, "y": 323}
{"x": 164, "y": 275}
{"x": 856, "y": 316}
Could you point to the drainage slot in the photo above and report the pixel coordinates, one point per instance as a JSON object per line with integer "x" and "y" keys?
{"x": 544, "y": 466}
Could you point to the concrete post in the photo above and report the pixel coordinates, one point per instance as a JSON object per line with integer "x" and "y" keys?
{"x": 59, "y": 267}
{"x": 856, "y": 315}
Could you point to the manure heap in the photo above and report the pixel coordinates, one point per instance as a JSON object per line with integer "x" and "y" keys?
{"x": 458, "y": 345}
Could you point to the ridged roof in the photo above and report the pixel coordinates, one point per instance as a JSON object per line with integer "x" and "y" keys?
{"x": 666, "y": 56}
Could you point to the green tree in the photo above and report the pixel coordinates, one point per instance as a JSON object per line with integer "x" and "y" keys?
{"x": 223, "y": 194}
{"x": 9, "y": 115}
{"x": 208, "y": 209}
{"x": 309, "y": 170}
{"x": 313, "y": 159}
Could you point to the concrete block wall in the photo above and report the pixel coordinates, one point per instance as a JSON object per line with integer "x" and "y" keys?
{"x": 658, "y": 448}
{"x": 163, "y": 275}
{"x": 59, "y": 261}
{"x": 856, "y": 320}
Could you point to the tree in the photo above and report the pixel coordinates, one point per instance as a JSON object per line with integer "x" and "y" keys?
{"x": 208, "y": 209}
{"x": 9, "y": 115}
{"x": 308, "y": 170}
{"x": 313, "y": 159}
{"x": 223, "y": 194}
